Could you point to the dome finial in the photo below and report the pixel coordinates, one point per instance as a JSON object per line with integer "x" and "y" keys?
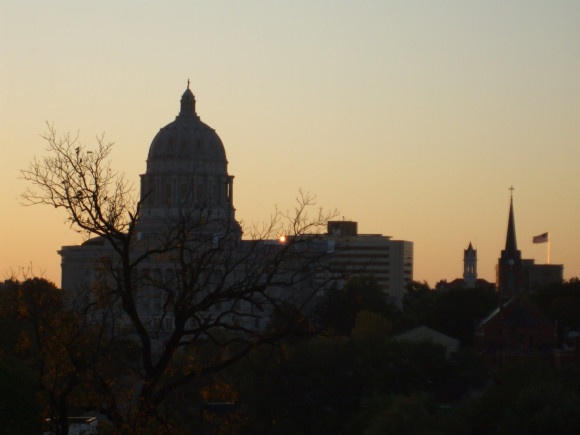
{"x": 187, "y": 102}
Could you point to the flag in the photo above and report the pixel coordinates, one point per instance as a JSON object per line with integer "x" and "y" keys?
{"x": 542, "y": 238}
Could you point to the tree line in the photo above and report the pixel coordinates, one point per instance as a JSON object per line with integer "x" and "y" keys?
{"x": 341, "y": 371}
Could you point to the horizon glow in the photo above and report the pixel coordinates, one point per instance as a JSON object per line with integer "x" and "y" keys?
{"x": 412, "y": 118}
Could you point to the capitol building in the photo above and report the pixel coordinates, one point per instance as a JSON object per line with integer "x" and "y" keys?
{"x": 190, "y": 258}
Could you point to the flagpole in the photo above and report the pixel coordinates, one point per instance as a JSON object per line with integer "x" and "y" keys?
{"x": 548, "y": 248}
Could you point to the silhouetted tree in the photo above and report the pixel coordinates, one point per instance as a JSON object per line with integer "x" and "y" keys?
{"x": 211, "y": 277}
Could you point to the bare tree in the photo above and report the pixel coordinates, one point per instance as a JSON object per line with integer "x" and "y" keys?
{"x": 209, "y": 287}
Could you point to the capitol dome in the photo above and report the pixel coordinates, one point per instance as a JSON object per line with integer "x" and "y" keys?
{"x": 186, "y": 170}
{"x": 186, "y": 140}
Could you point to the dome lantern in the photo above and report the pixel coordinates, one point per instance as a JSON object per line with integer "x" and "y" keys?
{"x": 187, "y": 103}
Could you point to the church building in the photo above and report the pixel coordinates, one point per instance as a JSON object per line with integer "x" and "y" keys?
{"x": 516, "y": 329}
{"x": 516, "y": 276}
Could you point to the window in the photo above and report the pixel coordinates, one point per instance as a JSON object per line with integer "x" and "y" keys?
{"x": 183, "y": 192}
{"x": 167, "y": 193}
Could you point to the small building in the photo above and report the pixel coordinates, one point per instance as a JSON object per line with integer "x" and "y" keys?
{"x": 80, "y": 426}
{"x": 569, "y": 353}
{"x": 540, "y": 275}
{"x": 424, "y": 333}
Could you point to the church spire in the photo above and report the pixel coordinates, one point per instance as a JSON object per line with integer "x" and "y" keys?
{"x": 511, "y": 245}
{"x": 509, "y": 268}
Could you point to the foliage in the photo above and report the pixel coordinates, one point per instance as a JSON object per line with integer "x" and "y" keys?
{"x": 70, "y": 358}
{"x": 454, "y": 312}
{"x": 19, "y": 409}
{"x": 340, "y": 307}
{"x": 335, "y": 384}
{"x": 415, "y": 289}
{"x": 289, "y": 321}
{"x": 527, "y": 397}
{"x": 560, "y": 302}
{"x": 372, "y": 326}
{"x": 397, "y": 414}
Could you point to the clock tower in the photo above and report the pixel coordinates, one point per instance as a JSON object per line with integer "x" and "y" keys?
{"x": 470, "y": 267}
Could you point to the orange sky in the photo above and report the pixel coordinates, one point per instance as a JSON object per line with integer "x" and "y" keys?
{"x": 412, "y": 118}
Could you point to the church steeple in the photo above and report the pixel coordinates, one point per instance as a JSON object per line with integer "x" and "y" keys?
{"x": 509, "y": 267}
{"x": 510, "y": 241}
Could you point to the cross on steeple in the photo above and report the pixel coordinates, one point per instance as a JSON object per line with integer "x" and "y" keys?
{"x": 511, "y": 189}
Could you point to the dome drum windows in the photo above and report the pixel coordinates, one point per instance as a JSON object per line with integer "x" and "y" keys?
{"x": 167, "y": 193}
{"x": 184, "y": 191}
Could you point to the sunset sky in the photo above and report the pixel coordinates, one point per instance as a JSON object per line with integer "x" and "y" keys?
{"x": 411, "y": 117}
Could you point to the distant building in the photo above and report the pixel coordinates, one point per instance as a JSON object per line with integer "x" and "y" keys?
{"x": 470, "y": 267}
{"x": 79, "y": 426}
{"x": 470, "y": 279}
{"x": 390, "y": 262}
{"x": 570, "y": 351}
{"x": 535, "y": 276}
